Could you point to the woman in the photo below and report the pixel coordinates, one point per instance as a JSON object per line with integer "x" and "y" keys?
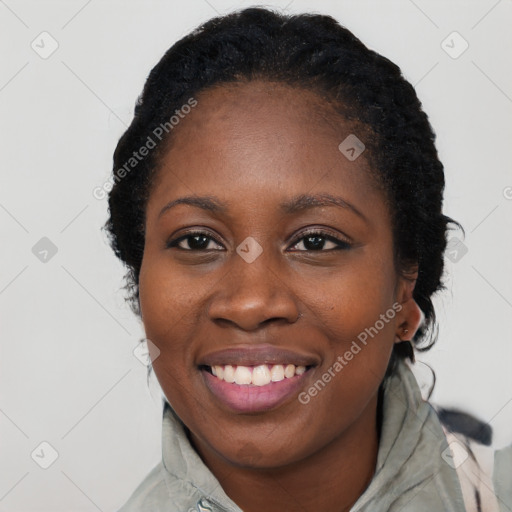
{"x": 278, "y": 204}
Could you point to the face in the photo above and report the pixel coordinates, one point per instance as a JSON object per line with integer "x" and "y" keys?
{"x": 280, "y": 272}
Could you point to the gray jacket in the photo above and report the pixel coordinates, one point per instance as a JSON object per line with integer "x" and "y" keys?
{"x": 417, "y": 470}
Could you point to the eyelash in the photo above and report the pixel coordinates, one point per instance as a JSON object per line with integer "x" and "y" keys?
{"x": 341, "y": 244}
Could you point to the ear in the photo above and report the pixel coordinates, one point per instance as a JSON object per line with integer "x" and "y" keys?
{"x": 410, "y": 316}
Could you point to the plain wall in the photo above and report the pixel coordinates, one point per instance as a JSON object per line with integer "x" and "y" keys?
{"x": 68, "y": 376}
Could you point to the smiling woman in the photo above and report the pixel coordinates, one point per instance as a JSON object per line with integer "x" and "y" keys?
{"x": 284, "y": 241}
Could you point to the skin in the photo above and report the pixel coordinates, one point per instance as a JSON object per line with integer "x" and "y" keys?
{"x": 253, "y": 146}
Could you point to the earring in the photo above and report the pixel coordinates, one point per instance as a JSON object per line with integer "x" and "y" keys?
{"x": 399, "y": 339}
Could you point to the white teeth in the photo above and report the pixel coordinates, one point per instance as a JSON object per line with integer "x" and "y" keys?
{"x": 242, "y": 375}
{"x": 289, "y": 371}
{"x": 229, "y": 373}
{"x": 277, "y": 373}
{"x": 219, "y": 371}
{"x": 260, "y": 375}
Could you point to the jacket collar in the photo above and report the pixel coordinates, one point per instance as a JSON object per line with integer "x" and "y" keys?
{"x": 413, "y": 470}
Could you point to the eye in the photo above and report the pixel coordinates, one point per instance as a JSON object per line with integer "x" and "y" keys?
{"x": 196, "y": 241}
{"x": 312, "y": 240}
{"x": 317, "y": 240}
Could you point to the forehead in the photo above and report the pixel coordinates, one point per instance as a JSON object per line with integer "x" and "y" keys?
{"x": 259, "y": 137}
{"x": 274, "y": 108}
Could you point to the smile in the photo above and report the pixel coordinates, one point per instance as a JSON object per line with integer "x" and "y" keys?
{"x": 254, "y": 389}
{"x": 255, "y": 378}
{"x": 260, "y": 375}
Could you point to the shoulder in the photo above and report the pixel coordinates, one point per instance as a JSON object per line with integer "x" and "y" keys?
{"x": 485, "y": 474}
{"x": 161, "y": 491}
{"x": 150, "y": 494}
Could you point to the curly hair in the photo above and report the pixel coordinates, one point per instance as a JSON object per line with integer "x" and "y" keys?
{"x": 314, "y": 52}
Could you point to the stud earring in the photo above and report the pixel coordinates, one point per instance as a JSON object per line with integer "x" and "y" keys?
{"x": 399, "y": 339}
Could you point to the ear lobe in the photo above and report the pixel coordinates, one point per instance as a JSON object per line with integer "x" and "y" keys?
{"x": 411, "y": 318}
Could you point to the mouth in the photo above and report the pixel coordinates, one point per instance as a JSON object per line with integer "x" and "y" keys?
{"x": 255, "y": 378}
{"x": 260, "y": 375}
{"x": 253, "y": 389}
{"x": 252, "y": 379}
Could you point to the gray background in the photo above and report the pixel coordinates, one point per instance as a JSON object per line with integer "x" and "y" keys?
{"x": 68, "y": 376}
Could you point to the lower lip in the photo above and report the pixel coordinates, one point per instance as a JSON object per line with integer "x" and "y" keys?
{"x": 251, "y": 398}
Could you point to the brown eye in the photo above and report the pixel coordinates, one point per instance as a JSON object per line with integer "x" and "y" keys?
{"x": 320, "y": 241}
{"x": 196, "y": 241}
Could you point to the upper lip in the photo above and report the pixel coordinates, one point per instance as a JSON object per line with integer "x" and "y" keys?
{"x": 253, "y": 355}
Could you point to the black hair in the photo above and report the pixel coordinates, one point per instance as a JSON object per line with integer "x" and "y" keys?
{"x": 314, "y": 52}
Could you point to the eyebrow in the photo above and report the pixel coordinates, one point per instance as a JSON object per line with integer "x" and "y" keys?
{"x": 294, "y": 205}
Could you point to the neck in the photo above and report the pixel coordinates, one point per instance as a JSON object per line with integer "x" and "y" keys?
{"x": 331, "y": 479}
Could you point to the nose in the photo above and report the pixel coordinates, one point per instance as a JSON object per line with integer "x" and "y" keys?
{"x": 252, "y": 294}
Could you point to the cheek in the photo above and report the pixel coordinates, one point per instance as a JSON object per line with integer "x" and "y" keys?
{"x": 356, "y": 299}
{"x": 167, "y": 314}
{"x": 169, "y": 317}
{"x": 358, "y": 318}
{"x": 168, "y": 298}
{"x": 360, "y": 327}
